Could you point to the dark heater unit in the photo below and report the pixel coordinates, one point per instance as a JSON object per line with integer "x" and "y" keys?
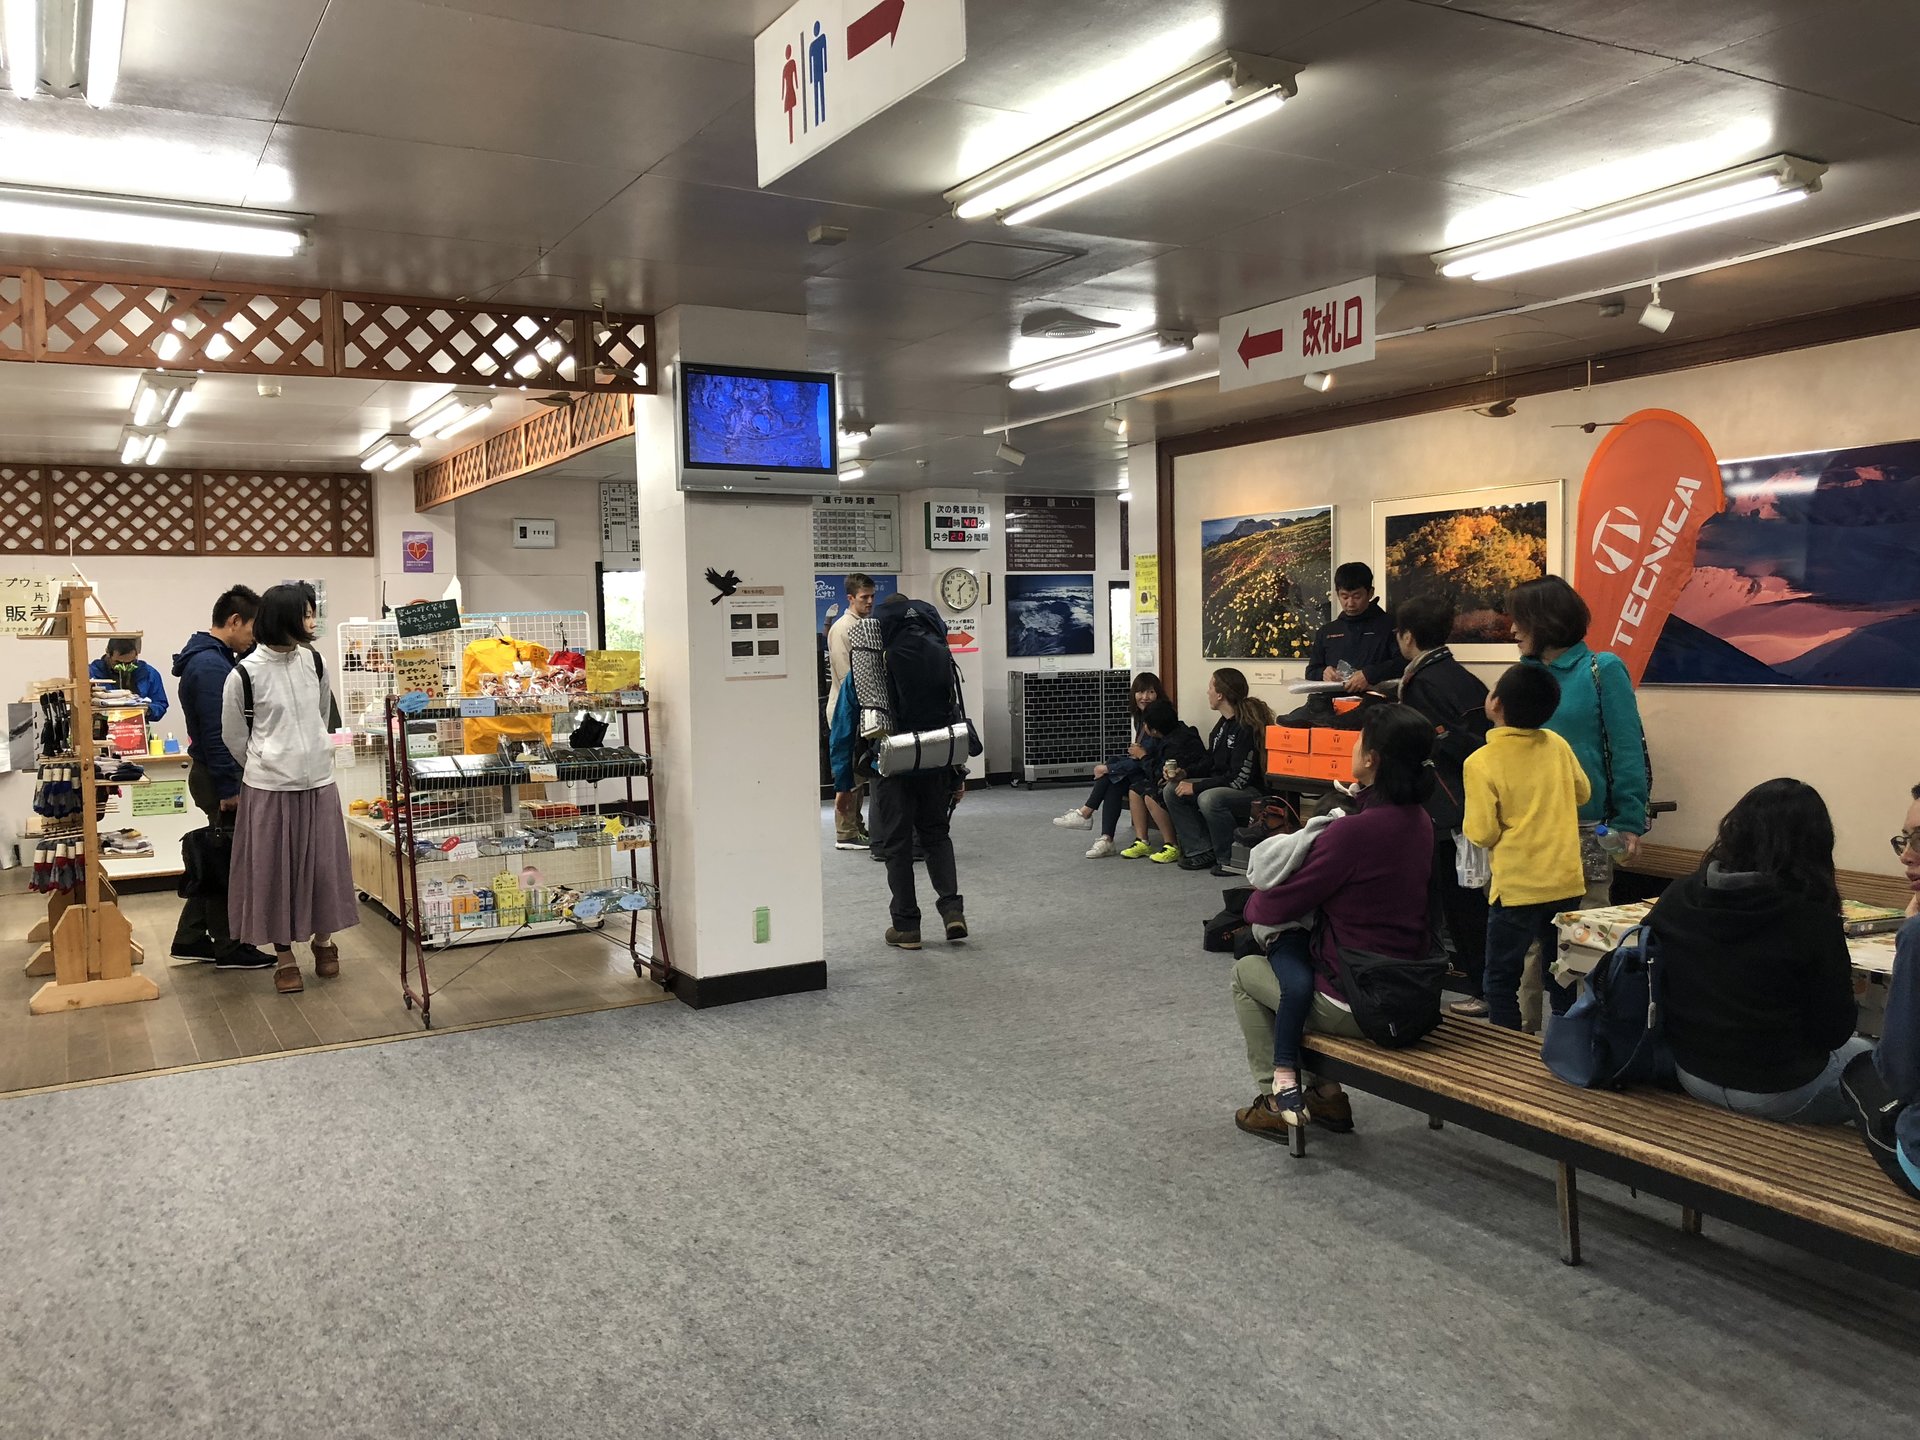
{"x": 1067, "y": 723}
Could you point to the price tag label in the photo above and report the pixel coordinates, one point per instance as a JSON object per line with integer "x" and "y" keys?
{"x": 479, "y": 706}
{"x": 465, "y": 850}
{"x": 542, "y": 770}
{"x": 631, "y": 840}
{"x": 566, "y": 840}
{"x": 633, "y": 697}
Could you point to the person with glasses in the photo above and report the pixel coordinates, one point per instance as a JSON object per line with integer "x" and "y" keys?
{"x": 1885, "y": 1086}
{"x": 1759, "y": 982}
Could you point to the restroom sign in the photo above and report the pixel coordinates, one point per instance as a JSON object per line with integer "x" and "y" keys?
{"x": 826, "y": 67}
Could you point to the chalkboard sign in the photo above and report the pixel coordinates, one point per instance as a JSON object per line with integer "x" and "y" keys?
{"x": 430, "y": 617}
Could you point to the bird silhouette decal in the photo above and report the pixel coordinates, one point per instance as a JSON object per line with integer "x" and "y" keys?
{"x": 726, "y": 584}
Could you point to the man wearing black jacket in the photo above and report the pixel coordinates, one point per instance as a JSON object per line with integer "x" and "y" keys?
{"x": 1361, "y": 636}
{"x": 1454, "y": 702}
{"x": 213, "y": 779}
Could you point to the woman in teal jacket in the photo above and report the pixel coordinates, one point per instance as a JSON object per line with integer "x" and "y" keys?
{"x": 1598, "y": 717}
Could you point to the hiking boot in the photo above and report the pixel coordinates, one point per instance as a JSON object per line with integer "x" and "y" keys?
{"x": 1333, "y": 1110}
{"x": 1074, "y": 820}
{"x": 201, "y": 950}
{"x": 242, "y": 957}
{"x": 1271, "y": 1116}
{"x": 1102, "y": 848}
{"x": 903, "y": 939}
{"x": 956, "y": 922}
{"x": 1167, "y": 855}
{"x": 1876, "y": 1105}
{"x": 1139, "y": 850}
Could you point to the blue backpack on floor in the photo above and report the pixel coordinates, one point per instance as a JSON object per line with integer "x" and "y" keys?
{"x": 1614, "y": 1036}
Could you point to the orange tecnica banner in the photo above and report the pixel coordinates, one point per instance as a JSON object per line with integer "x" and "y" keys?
{"x": 1652, "y": 484}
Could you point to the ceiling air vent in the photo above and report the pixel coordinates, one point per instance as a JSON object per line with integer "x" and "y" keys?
{"x": 985, "y": 260}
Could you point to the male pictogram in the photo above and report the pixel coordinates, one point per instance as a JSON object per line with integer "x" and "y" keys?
{"x": 817, "y": 69}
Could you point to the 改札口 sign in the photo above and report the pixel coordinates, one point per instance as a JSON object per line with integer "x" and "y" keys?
{"x": 1323, "y": 330}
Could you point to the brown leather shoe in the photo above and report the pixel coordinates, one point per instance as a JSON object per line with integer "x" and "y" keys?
{"x": 326, "y": 961}
{"x": 1262, "y": 1119}
{"x": 286, "y": 977}
{"x": 1332, "y": 1109}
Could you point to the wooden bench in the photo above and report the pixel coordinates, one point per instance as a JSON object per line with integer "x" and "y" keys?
{"x": 1812, "y": 1186}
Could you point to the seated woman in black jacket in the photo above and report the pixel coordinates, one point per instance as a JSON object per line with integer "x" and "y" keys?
{"x": 1759, "y": 987}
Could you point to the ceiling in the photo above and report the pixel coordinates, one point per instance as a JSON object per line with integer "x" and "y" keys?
{"x": 601, "y": 151}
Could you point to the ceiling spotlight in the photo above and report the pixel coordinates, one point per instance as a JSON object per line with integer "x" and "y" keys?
{"x": 170, "y": 224}
{"x": 389, "y": 452}
{"x": 852, "y": 470}
{"x": 142, "y": 444}
{"x": 1116, "y": 423}
{"x": 1199, "y": 104}
{"x": 1006, "y": 452}
{"x": 1710, "y": 200}
{"x": 1656, "y": 317}
{"x": 450, "y": 414}
{"x": 63, "y": 47}
{"x": 1499, "y": 410}
{"x": 1319, "y": 380}
{"x": 1124, "y": 496}
{"x": 1126, "y": 353}
{"x": 161, "y": 400}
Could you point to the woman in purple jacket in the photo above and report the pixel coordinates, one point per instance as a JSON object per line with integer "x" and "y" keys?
{"x": 1366, "y": 876}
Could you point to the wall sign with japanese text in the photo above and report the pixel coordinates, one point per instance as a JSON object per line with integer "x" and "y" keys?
{"x": 856, "y": 532}
{"x": 958, "y": 525}
{"x": 619, "y": 525}
{"x": 1290, "y": 338}
{"x": 1050, "y": 532}
{"x": 21, "y": 598}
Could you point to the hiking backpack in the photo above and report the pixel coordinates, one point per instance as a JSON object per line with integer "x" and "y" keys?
{"x": 924, "y": 724}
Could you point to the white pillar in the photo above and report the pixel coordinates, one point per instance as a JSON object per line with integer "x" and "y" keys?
{"x": 736, "y": 762}
{"x": 920, "y": 572}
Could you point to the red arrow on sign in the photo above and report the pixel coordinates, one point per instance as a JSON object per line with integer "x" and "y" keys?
{"x": 883, "y": 19}
{"x": 1257, "y": 347}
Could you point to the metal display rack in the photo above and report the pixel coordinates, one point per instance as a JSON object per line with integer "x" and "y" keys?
{"x": 486, "y": 852}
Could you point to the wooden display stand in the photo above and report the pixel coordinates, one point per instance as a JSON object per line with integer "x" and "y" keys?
{"x": 89, "y": 949}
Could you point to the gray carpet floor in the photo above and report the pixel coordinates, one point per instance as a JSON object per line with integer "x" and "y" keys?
{"x": 991, "y": 1191}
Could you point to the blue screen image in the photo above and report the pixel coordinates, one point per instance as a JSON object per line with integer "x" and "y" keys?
{"x": 758, "y": 422}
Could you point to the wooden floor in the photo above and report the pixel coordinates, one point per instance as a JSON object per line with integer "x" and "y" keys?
{"x": 204, "y": 1014}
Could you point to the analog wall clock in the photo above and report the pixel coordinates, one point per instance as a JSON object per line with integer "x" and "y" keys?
{"x": 959, "y": 590}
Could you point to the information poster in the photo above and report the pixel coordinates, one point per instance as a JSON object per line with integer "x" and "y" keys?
{"x": 416, "y": 552}
{"x": 756, "y": 632}
{"x": 21, "y": 598}
{"x": 160, "y": 797}
{"x": 611, "y": 671}
{"x": 1144, "y": 653}
{"x": 620, "y": 524}
{"x": 1049, "y": 532}
{"x": 429, "y": 617}
{"x": 856, "y": 532}
{"x": 418, "y": 670}
{"x": 1146, "y": 584}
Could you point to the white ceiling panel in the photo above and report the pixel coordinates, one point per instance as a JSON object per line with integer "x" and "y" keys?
{"x": 1680, "y": 31}
{"x": 1861, "y": 52}
{"x": 723, "y": 29}
{"x": 443, "y": 76}
{"x": 239, "y": 62}
{"x": 169, "y": 154}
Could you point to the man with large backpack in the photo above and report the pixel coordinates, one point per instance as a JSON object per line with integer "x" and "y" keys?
{"x": 1454, "y": 701}
{"x": 900, "y": 724}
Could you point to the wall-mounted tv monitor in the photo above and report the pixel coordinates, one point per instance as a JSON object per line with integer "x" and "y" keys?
{"x": 757, "y": 431}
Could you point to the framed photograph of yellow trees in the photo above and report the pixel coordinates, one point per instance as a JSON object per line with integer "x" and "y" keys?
{"x": 1472, "y": 546}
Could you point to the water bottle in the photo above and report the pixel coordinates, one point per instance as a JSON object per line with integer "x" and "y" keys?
{"x": 1611, "y": 841}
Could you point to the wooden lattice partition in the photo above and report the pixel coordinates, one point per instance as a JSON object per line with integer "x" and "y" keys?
{"x": 533, "y": 444}
{"x": 141, "y": 322}
{"x": 109, "y": 510}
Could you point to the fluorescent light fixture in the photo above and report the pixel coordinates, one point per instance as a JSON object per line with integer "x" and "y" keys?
{"x": 1006, "y": 452}
{"x": 1318, "y": 380}
{"x": 171, "y": 224}
{"x": 389, "y": 452}
{"x": 21, "y": 24}
{"x": 1126, "y": 353}
{"x": 1710, "y": 200}
{"x": 852, "y": 470}
{"x": 107, "y": 28}
{"x": 161, "y": 400}
{"x": 1199, "y": 104}
{"x": 450, "y": 414}
{"x": 142, "y": 444}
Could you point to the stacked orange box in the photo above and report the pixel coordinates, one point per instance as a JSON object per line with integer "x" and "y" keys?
{"x": 1331, "y": 757}
{"x": 1287, "y": 749}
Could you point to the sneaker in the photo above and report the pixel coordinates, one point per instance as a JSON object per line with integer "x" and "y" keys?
{"x": 1139, "y": 850}
{"x": 201, "y": 950}
{"x": 1271, "y": 1116}
{"x": 1471, "y": 1009}
{"x": 956, "y": 925}
{"x": 1167, "y": 855}
{"x": 241, "y": 957}
{"x": 1876, "y": 1105}
{"x": 903, "y": 939}
{"x": 1074, "y": 820}
{"x": 1102, "y": 848}
{"x": 854, "y": 842}
{"x": 1226, "y": 869}
{"x": 1196, "y": 862}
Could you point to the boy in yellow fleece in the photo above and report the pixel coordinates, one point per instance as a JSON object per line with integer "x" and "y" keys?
{"x": 1524, "y": 792}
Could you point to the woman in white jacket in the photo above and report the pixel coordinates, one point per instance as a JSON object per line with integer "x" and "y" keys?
{"x": 291, "y": 879}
